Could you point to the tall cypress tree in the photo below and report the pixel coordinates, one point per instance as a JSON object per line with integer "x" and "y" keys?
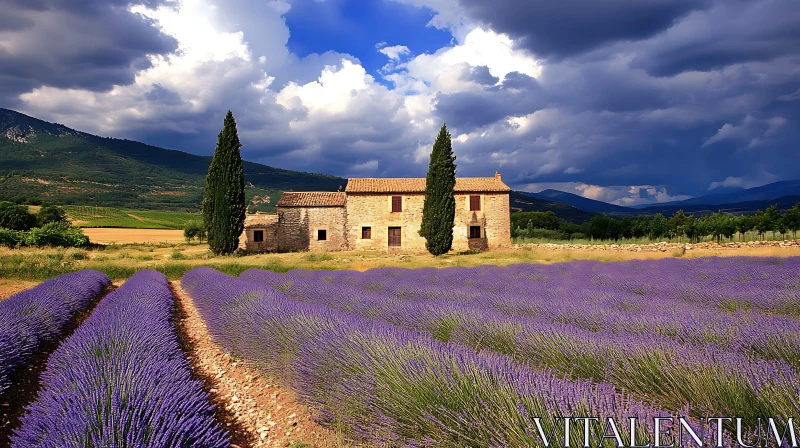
{"x": 439, "y": 210}
{"x": 223, "y": 198}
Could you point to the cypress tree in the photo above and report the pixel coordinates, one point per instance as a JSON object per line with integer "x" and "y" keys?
{"x": 223, "y": 198}
{"x": 439, "y": 210}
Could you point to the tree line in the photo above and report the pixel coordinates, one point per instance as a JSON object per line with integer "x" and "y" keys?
{"x": 680, "y": 225}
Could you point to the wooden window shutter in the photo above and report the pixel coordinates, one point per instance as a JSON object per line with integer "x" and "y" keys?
{"x": 397, "y": 203}
{"x": 366, "y": 233}
{"x": 474, "y": 203}
{"x": 395, "y": 237}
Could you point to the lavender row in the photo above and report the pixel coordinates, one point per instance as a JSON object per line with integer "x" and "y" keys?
{"x": 770, "y": 285}
{"x": 385, "y": 384}
{"x": 583, "y": 297}
{"x": 42, "y": 314}
{"x": 711, "y": 379}
{"x": 121, "y": 380}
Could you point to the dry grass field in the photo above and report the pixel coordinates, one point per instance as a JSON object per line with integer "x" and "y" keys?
{"x": 112, "y": 235}
{"x": 120, "y": 261}
{"x": 9, "y": 287}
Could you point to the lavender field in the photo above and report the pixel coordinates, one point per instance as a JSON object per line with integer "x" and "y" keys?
{"x": 480, "y": 357}
{"x": 471, "y": 356}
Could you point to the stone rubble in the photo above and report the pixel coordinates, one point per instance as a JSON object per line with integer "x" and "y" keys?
{"x": 659, "y": 247}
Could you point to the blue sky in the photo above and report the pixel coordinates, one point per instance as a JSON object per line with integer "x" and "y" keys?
{"x": 356, "y": 27}
{"x": 625, "y": 102}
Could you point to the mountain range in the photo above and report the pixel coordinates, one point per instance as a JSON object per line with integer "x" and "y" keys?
{"x": 784, "y": 194}
{"x": 50, "y": 162}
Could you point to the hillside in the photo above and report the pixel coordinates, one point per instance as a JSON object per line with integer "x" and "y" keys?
{"x": 41, "y": 161}
{"x": 582, "y": 203}
{"x": 523, "y": 202}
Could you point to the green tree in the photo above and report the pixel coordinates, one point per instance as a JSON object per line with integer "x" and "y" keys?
{"x": 194, "y": 229}
{"x": 659, "y": 226}
{"x": 771, "y": 219}
{"x": 744, "y": 224}
{"x": 50, "y": 213}
{"x": 15, "y": 217}
{"x": 791, "y": 219}
{"x": 439, "y": 209}
{"x": 677, "y": 224}
{"x": 759, "y": 224}
{"x": 223, "y": 198}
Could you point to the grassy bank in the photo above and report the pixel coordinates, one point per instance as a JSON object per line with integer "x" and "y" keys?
{"x": 121, "y": 261}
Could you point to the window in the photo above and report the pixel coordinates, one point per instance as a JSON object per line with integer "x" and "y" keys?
{"x": 474, "y": 231}
{"x": 474, "y": 203}
{"x": 258, "y": 236}
{"x": 395, "y": 239}
{"x": 322, "y": 235}
{"x": 397, "y": 204}
{"x": 366, "y": 233}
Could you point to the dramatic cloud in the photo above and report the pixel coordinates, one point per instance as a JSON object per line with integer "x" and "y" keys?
{"x": 627, "y": 102}
{"x": 91, "y": 45}
{"x": 568, "y": 27}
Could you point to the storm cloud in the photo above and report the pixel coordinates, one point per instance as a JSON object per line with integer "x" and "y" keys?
{"x": 631, "y": 102}
{"x": 90, "y": 45}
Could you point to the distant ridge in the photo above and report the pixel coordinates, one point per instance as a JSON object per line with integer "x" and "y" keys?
{"x": 41, "y": 161}
{"x": 580, "y": 202}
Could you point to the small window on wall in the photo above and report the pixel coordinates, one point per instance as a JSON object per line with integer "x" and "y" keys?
{"x": 474, "y": 231}
{"x": 474, "y": 203}
{"x": 258, "y": 236}
{"x": 397, "y": 204}
{"x": 366, "y": 233}
{"x": 322, "y": 235}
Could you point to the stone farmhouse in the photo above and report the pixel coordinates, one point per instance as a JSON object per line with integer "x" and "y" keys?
{"x": 379, "y": 214}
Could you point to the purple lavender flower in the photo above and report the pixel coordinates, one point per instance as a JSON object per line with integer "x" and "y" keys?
{"x": 42, "y": 314}
{"x": 121, "y": 380}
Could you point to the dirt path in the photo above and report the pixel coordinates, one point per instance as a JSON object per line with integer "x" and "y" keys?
{"x": 257, "y": 412}
{"x": 25, "y": 381}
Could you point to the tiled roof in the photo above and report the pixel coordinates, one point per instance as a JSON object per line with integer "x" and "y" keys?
{"x": 259, "y": 220}
{"x": 417, "y": 185}
{"x": 312, "y": 199}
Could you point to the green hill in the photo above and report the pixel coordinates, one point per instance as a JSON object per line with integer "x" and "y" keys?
{"x": 524, "y": 202}
{"x": 46, "y": 162}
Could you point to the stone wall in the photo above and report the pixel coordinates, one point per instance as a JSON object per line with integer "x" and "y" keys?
{"x": 375, "y": 211}
{"x": 298, "y": 228}
{"x": 658, "y": 247}
{"x": 265, "y": 223}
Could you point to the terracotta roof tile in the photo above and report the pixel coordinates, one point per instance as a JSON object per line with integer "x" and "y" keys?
{"x": 312, "y": 199}
{"x": 417, "y": 185}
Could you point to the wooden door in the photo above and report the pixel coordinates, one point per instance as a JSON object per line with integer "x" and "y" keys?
{"x": 395, "y": 238}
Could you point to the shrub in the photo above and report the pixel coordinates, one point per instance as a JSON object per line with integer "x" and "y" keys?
{"x": 194, "y": 230}
{"x": 56, "y": 234}
{"x": 15, "y": 216}
{"x": 11, "y": 238}
{"x": 51, "y": 213}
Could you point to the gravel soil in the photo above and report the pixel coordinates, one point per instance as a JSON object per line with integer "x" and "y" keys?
{"x": 257, "y": 412}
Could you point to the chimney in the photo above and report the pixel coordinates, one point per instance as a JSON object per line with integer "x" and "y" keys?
{"x": 498, "y": 176}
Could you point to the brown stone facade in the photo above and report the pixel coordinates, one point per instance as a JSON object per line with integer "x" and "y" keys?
{"x": 311, "y": 228}
{"x": 267, "y": 225}
{"x": 375, "y": 211}
{"x": 366, "y": 218}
